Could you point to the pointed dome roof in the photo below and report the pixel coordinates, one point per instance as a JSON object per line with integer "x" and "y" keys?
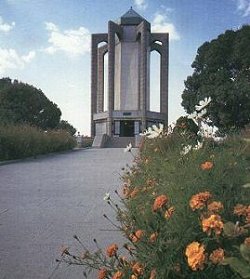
{"x": 131, "y": 17}
{"x": 131, "y": 13}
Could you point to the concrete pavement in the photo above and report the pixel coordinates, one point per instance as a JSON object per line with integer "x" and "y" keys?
{"x": 44, "y": 202}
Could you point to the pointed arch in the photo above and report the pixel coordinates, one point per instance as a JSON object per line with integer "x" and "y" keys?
{"x": 155, "y": 80}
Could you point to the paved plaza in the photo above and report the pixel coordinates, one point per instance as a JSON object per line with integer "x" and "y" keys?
{"x": 45, "y": 201}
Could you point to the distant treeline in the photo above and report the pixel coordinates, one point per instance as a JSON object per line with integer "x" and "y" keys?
{"x": 30, "y": 124}
{"x": 21, "y": 103}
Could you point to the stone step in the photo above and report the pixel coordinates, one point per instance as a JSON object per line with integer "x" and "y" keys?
{"x": 119, "y": 142}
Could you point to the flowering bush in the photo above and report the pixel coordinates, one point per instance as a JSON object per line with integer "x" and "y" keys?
{"x": 183, "y": 215}
{"x": 181, "y": 220}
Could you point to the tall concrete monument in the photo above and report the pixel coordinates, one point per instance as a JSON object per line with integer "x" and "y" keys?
{"x": 128, "y": 44}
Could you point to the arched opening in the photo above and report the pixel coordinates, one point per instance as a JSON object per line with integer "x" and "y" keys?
{"x": 117, "y": 40}
{"x": 155, "y": 78}
{"x": 158, "y": 43}
{"x": 102, "y": 77}
{"x": 117, "y": 74}
{"x": 102, "y": 44}
{"x": 106, "y": 78}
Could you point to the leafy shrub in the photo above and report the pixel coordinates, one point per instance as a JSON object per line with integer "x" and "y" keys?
{"x": 21, "y": 103}
{"x": 20, "y": 141}
{"x": 220, "y": 169}
{"x": 87, "y": 142}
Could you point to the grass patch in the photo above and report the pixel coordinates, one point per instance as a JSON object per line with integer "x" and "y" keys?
{"x": 20, "y": 141}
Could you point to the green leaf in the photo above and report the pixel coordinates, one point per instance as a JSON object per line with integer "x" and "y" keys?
{"x": 229, "y": 229}
{"x": 245, "y": 252}
{"x": 239, "y": 266}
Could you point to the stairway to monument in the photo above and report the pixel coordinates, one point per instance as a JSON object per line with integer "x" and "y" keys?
{"x": 119, "y": 142}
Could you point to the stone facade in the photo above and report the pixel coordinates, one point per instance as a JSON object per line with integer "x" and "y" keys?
{"x": 128, "y": 44}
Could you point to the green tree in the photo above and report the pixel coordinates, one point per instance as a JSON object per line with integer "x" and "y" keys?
{"x": 222, "y": 71}
{"x": 64, "y": 125}
{"x": 187, "y": 128}
{"x": 23, "y": 103}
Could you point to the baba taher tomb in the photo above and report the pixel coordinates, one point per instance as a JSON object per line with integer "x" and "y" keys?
{"x": 128, "y": 45}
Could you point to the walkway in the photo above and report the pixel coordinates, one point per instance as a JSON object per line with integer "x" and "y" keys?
{"x": 44, "y": 202}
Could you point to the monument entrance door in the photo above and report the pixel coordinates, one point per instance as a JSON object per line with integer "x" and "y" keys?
{"x": 126, "y": 128}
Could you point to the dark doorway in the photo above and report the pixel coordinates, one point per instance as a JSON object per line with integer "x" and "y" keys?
{"x": 127, "y": 128}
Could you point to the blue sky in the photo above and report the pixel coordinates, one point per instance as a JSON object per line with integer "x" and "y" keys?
{"x": 47, "y": 43}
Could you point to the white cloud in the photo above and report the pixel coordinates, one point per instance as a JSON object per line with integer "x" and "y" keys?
{"x": 140, "y": 4}
{"x": 6, "y": 27}
{"x": 10, "y": 59}
{"x": 160, "y": 24}
{"x": 167, "y": 10}
{"x": 29, "y": 57}
{"x": 244, "y": 7}
{"x": 51, "y": 27}
{"x": 73, "y": 41}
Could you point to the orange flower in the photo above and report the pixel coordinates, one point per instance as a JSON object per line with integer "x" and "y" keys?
{"x": 153, "y": 237}
{"x": 217, "y": 256}
{"x": 247, "y": 242}
{"x": 248, "y": 215}
{"x": 153, "y": 274}
{"x": 215, "y": 206}
{"x": 118, "y": 275}
{"x": 243, "y": 210}
{"x": 132, "y": 237}
{"x": 195, "y": 255}
{"x": 199, "y": 200}
{"x": 206, "y": 165}
{"x": 111, "y": 250}
{"x": 134, "y": 192}
{"x": 102, "y": 273}
{"x": 138, "y": 269}
{"x": 159, "y": 202}
{"x": 125, "y": 191}
{"x": 139, "y": 234}
{"x": 169, "y": 212}
{"x": 240, "y": 210}
{"x": 134, "y": 276}
{"x": 136, "y": 236}
{"x": 151, "y": 182}
{"x": 212, "y": 223}
{"x": 248, "y": 219}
